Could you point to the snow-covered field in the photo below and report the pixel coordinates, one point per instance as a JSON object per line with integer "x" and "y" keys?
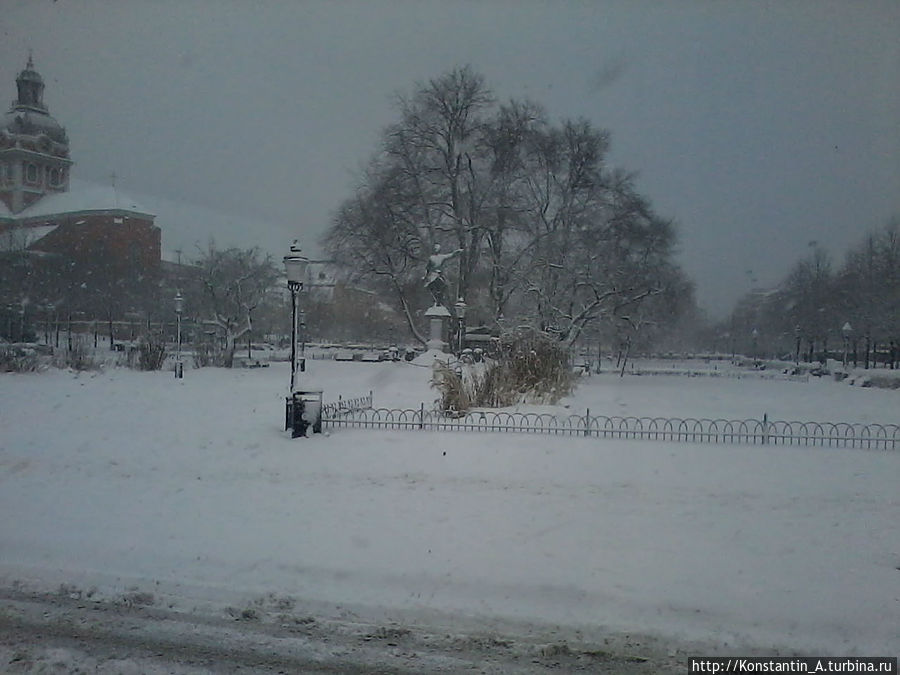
{"x": 190, "y": 490}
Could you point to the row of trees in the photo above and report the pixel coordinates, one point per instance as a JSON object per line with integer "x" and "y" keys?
{"x": 549, "y": 235}
{"x": 809, "y": 310}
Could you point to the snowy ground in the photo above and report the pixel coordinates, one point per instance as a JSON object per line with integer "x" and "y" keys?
{"x": 190, "y": 493}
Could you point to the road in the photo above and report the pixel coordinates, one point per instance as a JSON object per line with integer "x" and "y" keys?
{"x": 69, "y": 632}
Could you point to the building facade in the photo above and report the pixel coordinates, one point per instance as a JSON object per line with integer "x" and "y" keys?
{"x": 94, "y": 250}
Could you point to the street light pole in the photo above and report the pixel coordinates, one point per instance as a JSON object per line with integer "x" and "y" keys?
{"x": 294, "y": 288}
{"x": 295, "y": 268}
{"x": 179, "y": 307}
{"x": 461, "y": 308}
{"x": 296, "y": 417}
{"x": 846, "y": 329}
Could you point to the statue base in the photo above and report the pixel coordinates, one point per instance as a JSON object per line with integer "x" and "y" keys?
{"x": 438, "y": 318}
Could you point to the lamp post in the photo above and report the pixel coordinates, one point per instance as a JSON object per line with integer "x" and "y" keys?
{"x": 179, "y": 308}
{"x": 295, "y": 268}
{"x": 301, "y": 334}
{"x": 846, "y": 330}
{"x": 461, "y": 308}
{"x": 755, "y": 336}
{"x": 303, "y": 408}
{"x": 797, "y": 345}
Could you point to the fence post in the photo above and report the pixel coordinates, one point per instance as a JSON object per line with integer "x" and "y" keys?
{"x": 371, "y": 399}
{"x": 422, "y": 415}
{"x": 765, "y": 428}
{"x": 587, "y": 422}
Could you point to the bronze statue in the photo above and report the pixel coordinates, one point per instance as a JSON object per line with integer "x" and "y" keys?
{"x": 434, "y": 273}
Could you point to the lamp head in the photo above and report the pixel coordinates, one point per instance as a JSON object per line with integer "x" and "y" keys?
{"x": 295, "y": 266}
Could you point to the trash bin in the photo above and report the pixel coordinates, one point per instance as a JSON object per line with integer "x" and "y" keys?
{"x": 305, "y": 411}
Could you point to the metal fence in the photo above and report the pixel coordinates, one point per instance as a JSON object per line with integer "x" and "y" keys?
{"x": 357, "y": 413}
{"x": 343, "y": 406}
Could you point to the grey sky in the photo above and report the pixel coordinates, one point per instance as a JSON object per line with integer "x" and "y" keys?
{"x": 757, "y": 126}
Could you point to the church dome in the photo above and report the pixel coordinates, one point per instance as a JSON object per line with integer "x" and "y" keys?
{"x": 29, "y": 116}
{"x": 30, "y": 74}
{"x": 33, "y": 123}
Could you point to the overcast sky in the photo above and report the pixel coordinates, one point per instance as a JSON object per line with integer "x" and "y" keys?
{"x": 758, "y": 127}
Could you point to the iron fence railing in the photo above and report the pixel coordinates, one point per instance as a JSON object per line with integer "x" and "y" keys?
{"x": 358, "y": 413}
{"x": 342, "y": 405}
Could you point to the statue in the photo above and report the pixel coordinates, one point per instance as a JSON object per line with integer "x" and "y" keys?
{"x": 434, "y": 273}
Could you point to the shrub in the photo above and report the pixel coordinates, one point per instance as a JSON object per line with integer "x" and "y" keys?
{"x": 530, "y": 368}
{"x": 208, "y": 353}
{"x": 18, "y": 359}
{"x": 537, "y": 366}
{"x": 456, "y": 395}
{"x": 151, "y": 352}
{"x": 79, "y": 358}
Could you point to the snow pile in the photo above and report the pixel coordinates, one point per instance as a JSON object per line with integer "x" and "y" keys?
{"x": 428, "y": 357}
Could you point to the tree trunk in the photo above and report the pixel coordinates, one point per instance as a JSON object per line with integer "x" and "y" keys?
{"x": 228, "y": 354}
{"x": 407, "y": 314}
{"x": 625, "y": 357}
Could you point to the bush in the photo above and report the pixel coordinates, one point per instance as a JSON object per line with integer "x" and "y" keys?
{"x": 151, "y": 352}
{"x": 18, "y": 359}
{"x": 79, "y": 357}
{"x": 456, "y": 395}
{"x": 207, "y": 353}
{"x": 531, "y": 368}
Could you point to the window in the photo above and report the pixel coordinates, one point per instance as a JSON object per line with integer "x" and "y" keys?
{"x": 31, "y": 173}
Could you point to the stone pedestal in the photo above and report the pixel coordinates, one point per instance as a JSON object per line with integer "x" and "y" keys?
{"x": 438, "y": 318}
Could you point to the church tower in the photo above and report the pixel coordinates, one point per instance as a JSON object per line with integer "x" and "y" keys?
{"x": 34, "y": 148}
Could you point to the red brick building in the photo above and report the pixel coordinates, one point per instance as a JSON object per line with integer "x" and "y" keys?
{"x": 88, "y": 250}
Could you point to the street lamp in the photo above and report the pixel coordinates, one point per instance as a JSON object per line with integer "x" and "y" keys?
{"x": 179, "y": 308}
{"x": 846, "y": 330}
{"x": 461, "y": 308}
{"x": 295, "y": 268}
{"x": 303, "y": 408}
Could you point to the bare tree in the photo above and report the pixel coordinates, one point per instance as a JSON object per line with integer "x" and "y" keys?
{"x": 373, "y": 237}
{"x": 232, "y": 284}
{"x": 546, "y": 232}
{"x": 438, "y": 150}
{"x": 598, "y": 247}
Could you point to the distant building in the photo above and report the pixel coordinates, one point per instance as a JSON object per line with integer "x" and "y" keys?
{"x": 99, "y": 240}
